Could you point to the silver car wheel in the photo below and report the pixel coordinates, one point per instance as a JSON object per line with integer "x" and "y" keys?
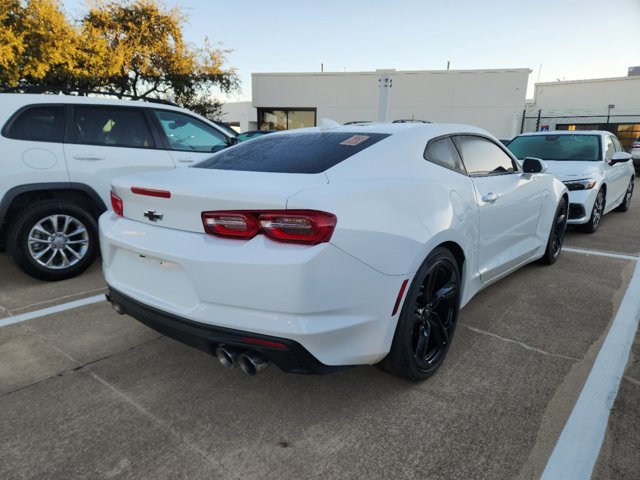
{"x": 58, "y": 241}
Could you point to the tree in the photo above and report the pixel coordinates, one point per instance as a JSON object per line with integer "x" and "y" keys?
{"x": 150, "y": 56}
{"x": 128, "y": 47}
{"x": 37, "y": 43}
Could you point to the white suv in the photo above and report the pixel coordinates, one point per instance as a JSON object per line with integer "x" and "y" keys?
{"x": 59, "y": 154}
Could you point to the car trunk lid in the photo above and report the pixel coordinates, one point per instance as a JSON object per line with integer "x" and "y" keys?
{"x": 176, "y": 199}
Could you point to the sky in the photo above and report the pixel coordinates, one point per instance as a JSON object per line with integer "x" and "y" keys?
{"x": 556, "y": 39}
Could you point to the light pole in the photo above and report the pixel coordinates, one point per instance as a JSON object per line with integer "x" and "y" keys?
{"x": 611, "y": 105}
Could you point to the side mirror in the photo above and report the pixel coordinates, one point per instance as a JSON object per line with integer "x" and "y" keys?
{"x": 534, "y": 165}
{"x": 620, "y": 157}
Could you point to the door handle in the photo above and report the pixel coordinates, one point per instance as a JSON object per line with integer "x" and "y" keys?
{"x": 186, "y": 160}
{"x": 490, "y": 197}
{"x": 88, "y": 157}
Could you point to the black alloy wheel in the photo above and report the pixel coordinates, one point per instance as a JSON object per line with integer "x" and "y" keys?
{"x": 596, "y": 214}
{"x": 428, "y": 319}
{"x": 556, "y": 235}
{"x": 626, "y": 203}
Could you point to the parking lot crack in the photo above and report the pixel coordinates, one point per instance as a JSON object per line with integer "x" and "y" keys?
{"x": 79, "y": 366}
{"x": 521, "y": 344}
{"x": 632, "y": 380}
{"x": 127, "y": 399}
{"x": 159, "y": 422}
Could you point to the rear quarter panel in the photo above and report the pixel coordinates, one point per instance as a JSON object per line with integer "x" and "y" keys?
{"x": 394, "y": 207}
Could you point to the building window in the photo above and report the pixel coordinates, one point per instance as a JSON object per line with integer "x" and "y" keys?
{"x": 281, "y": 119}
{"x": 628, "y": 133}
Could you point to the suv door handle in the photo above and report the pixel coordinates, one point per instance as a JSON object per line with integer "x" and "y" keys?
{"x": 186, "y": 160}
{"x": 490, "y": 197}
{"x": 88, "y": 156}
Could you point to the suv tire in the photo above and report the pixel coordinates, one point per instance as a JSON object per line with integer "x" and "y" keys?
{"x": 53, "y": 240}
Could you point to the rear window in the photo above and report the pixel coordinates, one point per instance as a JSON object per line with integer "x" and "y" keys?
{"x": 298, "y": 153}
{"x": 557, "y": 147}
{"x": 43, "y": 123}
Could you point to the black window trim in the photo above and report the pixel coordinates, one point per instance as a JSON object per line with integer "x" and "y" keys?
{"x": 517, "y": 169}
{"x": 453, "y": 169}
{"x": 9, "y": 123}
{"x": 71, "y": 135}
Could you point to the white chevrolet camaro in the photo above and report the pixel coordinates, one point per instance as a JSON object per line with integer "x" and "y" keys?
{"x": 318, "y": 249}
{"x": 592, "y": 164}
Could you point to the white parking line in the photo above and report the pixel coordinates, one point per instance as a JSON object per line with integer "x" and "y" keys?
{"x": 51, "y": 310}
{"x": 578, "y": 447}
{"x": 599, "y": 253}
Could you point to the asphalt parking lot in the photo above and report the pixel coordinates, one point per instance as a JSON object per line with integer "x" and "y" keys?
{"x": 87, "y": 393}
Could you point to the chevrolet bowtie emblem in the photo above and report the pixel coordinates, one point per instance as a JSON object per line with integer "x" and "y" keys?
{"x": 153, "y": 216}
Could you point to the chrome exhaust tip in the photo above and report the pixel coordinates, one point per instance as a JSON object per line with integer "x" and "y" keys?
{"x": 227, "y": 356}
{"x": 252, "y": 363}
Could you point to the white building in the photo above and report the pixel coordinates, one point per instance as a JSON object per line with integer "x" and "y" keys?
{"x": 492, "y": 99}
{"x": 611, "y": 104}
{"x": 488, "y": 98}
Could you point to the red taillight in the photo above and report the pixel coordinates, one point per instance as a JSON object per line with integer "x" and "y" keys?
{"x": 307, "y": 227}
{"x": 151, "y": 192}
{"x": 296, "y": 226}
{"x": 231, "y": 224}
{"x": 117, "y": 204}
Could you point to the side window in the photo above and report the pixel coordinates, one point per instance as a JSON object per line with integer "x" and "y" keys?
{"x": 609, "y": 148}
{"x": 443, "y": 152}
{"x": 187, "y": 133}
{"x": 111, "y": 126}
{"x": 41, "y": 124}
{"x": 482, "y": 157}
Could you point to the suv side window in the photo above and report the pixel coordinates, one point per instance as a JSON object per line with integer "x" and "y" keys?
{"x": 41, "y": 123}
{"x": 111, "y": 127}
{"x": 186, "y": 133}
{"x": 481, "y": 156}
{"x": 443, "y": 152}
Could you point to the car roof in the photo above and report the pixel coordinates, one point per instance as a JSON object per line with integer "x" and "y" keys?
{"x": 422, "y": 130}
{"x": 565, "y": 132}
{"x": 35, "y": 98}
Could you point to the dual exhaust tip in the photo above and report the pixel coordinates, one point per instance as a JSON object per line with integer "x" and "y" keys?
{"x": 249, "y": 361}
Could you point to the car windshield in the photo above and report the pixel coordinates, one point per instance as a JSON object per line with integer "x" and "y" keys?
{"x": 298, "y": 153}
{"x": 557, "y": 147}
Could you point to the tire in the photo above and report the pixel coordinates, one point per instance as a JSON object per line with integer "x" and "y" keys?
{"x": 425, "y": 328}
{"x": 596, "y": 214}
{"x": 53, "y": 240}
{"x": 556, "y": 234}
{"x": 626, "y": 203}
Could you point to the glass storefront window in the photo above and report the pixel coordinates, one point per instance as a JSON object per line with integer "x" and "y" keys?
{"x": 281, "y": 119}
{"x": 628, "y": 133}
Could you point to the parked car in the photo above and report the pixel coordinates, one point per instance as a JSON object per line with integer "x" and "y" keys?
{"x": 59, "y": 155}
{"x": 253, "y": 134}
{"x": 318, "y": 249}
{"x": 592, "y": 164}
{"x": 635, "y": 153}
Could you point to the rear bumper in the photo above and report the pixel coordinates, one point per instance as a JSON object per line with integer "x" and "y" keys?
{"x": 292, "y": 359}
{"x": 319, "y": 297}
